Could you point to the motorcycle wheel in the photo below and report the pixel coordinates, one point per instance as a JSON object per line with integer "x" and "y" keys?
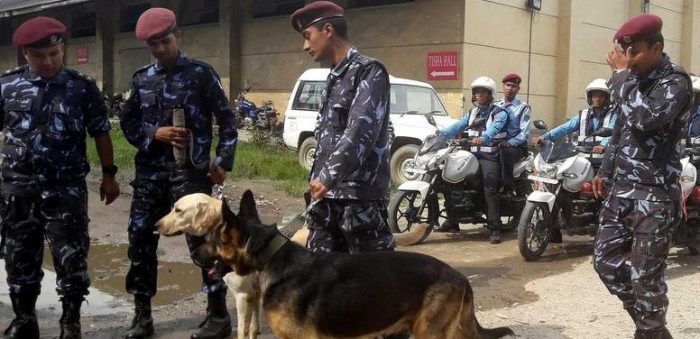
{"x": 533, "y": 230}
{"x": 403, "y": 208}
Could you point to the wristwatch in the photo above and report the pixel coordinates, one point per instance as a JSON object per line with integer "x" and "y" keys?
{"x": 110, "y": 170}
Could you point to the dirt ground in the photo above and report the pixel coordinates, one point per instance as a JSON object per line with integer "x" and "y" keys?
{"x": 559, "y": 296}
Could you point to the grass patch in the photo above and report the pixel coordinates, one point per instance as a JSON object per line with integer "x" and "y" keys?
{"x": 256, "y": 162}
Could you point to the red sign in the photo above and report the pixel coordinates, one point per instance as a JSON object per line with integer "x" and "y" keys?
{"x": 83, "y": 55}
{"x": 443, "y": 65}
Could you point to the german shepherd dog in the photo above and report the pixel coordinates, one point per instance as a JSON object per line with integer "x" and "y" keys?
{"x": 198, "y": 214}
{"x": 308, "y": 295}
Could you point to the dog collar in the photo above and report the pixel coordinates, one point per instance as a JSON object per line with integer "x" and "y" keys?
{"x": 275, "y": 244}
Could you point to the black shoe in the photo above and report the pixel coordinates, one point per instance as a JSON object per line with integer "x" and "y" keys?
{"x": 447, "y": 227}
{"x": 25, "y": 325}
{"x": 555, "y": 236}
{"x": 142, "y": 324}
{"x": 495, "y": 237}
{"x": 507, "y": 194}
{"x": 218, "y": 323}
{"x": 70, "y": 318}
{"x": 661, "y": 333}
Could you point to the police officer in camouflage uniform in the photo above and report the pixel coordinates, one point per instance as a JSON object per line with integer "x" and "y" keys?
{"x": 47, "y": 110}
{"x": 159, "y": 91}
{"x": 350, "y": 174}
{"x": 640, "y": 173}
{"x": 484, "y": 144}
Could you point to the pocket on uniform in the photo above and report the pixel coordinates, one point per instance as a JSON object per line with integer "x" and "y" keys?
{"x": 339, "y": 117}
{"x": 17, "y": 113}
{"x": 360, "y": 218}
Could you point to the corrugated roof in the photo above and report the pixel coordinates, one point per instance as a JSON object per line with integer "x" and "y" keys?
{"x": 10, "y": 8}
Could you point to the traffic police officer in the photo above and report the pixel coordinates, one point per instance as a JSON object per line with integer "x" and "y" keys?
{"x": 47, "y": 110}
{"x": 350, "y": 175}
{"x": 600, "y": 113}
{"x": 640, "y": 173}
{"x": 514, "y": 147}
{"x": 174, "y": 85}
{"x": 484, "y": 144}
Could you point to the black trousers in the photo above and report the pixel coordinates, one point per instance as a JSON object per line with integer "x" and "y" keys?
{"x": 509, "y": 157}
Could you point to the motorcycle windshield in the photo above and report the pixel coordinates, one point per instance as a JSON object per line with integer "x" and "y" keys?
{"x": 432, "y": 143}
{"x": 553, "y": 151}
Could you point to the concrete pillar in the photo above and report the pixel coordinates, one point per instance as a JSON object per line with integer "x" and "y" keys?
{"x": 231, "y": 14}
{"x": 104, "y": 52}
{"x": 690, "y": 35}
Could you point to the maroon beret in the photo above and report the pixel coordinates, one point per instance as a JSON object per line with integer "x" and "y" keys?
{"x": 512, "y": 77}
{"x": 315, "y": 12}
{"x": 639, "y": 28}
{"x": 154, "y": 22}
{"x": 39, "y": 32}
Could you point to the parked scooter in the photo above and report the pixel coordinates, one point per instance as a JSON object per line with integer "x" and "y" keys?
{"x": 563, "y": 198}
{"x": 445, "y": 168}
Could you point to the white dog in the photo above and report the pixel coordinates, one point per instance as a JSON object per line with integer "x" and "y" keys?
{"x": 198, "y": 214}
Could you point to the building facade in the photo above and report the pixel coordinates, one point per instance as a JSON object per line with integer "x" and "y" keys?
{"x": 557, "y": 49}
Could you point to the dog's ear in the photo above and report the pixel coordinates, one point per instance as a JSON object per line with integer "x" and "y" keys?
{"x": 226, "y": 212}
{"x": 248, "y": 210}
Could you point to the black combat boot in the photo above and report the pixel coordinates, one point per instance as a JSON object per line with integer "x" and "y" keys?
{"x": 447, "y": 227}
{"x": 142, "y": 325}
{"x": 661, "y": 333}
{"x": 25, "y": 325}
{"x": 70, "y": 318}
{"x": 218, "y": 323}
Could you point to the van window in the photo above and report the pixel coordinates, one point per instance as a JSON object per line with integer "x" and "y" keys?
{"x": 309, "y": 97}
{"x": 406, "y": 99}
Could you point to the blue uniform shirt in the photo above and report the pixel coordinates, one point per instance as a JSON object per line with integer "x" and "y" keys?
{"x": 518, "y": 127}
{"x": 573, "y": 125}
{"x": 499, "y": 122}
{"x": 155, "y": 92}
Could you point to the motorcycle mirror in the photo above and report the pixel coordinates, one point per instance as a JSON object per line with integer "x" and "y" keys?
{"x": 539, "y": 124}
{"x": 478, "y": 123}
{"x": 603, "y": 132}
{"x": 431, "y": 119}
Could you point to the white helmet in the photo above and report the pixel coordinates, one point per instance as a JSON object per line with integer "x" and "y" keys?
{"x": 597, "y": 85}
{"x": 484, "y": 82}
{"x": 696, "y": 83}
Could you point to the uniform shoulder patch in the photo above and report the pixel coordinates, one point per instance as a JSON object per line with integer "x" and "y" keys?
{"x": 201, "y": 63}
{"x": 142, "y": 69}
{"x": 15, "y": 70}
{"x": 80, "y": 75}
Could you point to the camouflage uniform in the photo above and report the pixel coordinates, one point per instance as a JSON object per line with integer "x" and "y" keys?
{"x": 352, "y": 159}
{"x": 642, "y": 169}
{"x": 155, "y": 92}
{"x": 43, "y": 175}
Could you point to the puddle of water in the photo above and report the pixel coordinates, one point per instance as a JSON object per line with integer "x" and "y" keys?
{"x": 107, "y": 267}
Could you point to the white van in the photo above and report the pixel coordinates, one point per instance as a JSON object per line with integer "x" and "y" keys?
{"x": 410, "y": 101}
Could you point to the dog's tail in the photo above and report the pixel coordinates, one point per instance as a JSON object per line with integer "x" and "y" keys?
{"x": 415, "y": 235}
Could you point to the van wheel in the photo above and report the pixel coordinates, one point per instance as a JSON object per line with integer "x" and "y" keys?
{"x": 306, "y": 153}
{"x": 402, "y": 160}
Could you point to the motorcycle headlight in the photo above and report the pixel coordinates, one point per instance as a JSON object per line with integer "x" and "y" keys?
{"x": 544, "y": 169}
{"x": 421, "y": 161}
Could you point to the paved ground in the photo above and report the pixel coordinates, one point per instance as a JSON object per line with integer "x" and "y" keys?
{"x": 557, "y": 297}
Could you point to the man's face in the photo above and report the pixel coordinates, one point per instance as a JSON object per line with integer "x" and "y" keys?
{"x": 45, "y": 61}
{"x": 598, "y": 99}
{"x": 641, "y": 57}
{"x": 481, "y": 96}
{"x": 510, "y": 90}
{"x": 317, "y": 42}
{"x": 165, "y": 48}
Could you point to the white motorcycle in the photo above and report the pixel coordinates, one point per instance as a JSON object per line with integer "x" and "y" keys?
{"x": 562, "y": 199}
{"x": 688, "y": 232}
{"x": 445, "y": 169}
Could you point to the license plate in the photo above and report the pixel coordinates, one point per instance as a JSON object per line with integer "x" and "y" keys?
{"x": 545, "y": 180}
